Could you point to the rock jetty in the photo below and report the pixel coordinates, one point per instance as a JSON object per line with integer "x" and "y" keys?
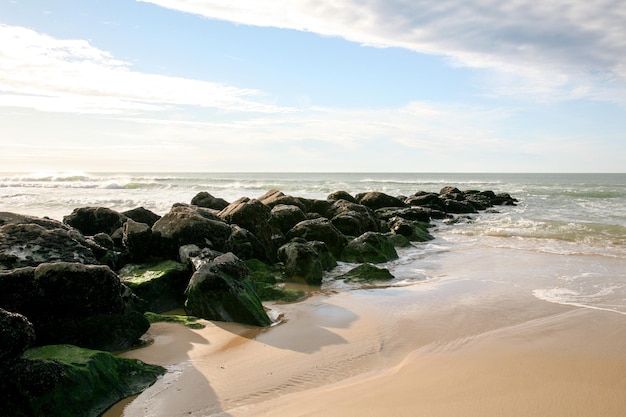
{"x": 73, "y": 291}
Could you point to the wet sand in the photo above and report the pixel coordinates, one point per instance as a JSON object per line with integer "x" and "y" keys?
{"x": 454, "y": 346}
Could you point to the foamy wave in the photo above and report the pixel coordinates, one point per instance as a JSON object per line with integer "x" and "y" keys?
{"x": 566, "y": 296}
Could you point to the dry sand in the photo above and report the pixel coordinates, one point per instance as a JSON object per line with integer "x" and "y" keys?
{"x": 454, "y": 347}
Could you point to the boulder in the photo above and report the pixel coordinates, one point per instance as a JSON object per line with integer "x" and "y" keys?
{"x": 16, "y": 335}
{"x": 376, "y": 200}
{"x": 284, "y": 217}
{"x": 160, "y": 285}
{"x": 369, "y": 247}
{"x": 73, "y": 303}
{"x": 142, "y": 215}
{"x": 274, "y": 198}
{"x": 137, "y": 239}
{"x": 366, "y": 273}
{"x": 92, "y": 220}
{"x": 302, "y": 262}
{"x": 458, "y": 207}
{"x": 245, "y": 245}
{"x": 31, "y": 243}
{"x": 407, "y": 213}
{"x": 266, "y": 277}
{"x": 415, "y": 231}
{"x": 254, "y": 216}
{"x": 341, "y": 195}
{"x": 184, "y": 225}
{"x": 204, "y": 199}
{"x": 353, "y": 219}
{"x": 68, "y": 381}
{"x": 424, "y": 199}
{"x": 222, "y": 290}
{"x": 320, "y": 229}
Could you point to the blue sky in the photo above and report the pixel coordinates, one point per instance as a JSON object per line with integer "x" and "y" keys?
{"x": 313, "y": 85}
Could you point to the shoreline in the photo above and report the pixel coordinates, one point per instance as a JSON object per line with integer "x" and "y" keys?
{"x": 397, "y": 351}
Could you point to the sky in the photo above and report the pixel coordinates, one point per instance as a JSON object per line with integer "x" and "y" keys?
{"x": 313, "y": 85}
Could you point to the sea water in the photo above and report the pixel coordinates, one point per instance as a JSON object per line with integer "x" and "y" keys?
{"x": 568, "y": 231}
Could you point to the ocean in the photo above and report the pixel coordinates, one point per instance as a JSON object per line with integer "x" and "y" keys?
{"x": 565, "y": 241}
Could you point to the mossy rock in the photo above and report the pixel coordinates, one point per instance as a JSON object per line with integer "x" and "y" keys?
{"x": 189, "y": 321}
{"x": 370, "y": 247}
{"x": 68, "y": 381}
{"x": 161, "y": 285}
{"x": 276, "y": 292}
{"x": 261, "y": 272}
{"x": 420, "y": 232}
{"x": 366, "y": 273}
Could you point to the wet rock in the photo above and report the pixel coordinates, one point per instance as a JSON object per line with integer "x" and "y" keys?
{"x": 366, "y": 273}
{"x": 204, "y": 199}
{"x": 376, "y": 200}
{"x": 92, "y": 220}
{"x": 369, "y": 247}
{"x": 222, "y": 290}
{"x": 16, "y": 335}
{"x": 284, "y": 217}
{"x": 320, "y": 229}
{"x": 142, "y": 215}
{"x": 302, "y": 263}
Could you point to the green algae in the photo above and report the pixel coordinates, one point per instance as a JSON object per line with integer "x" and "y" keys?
{"x": 189, "y": 321}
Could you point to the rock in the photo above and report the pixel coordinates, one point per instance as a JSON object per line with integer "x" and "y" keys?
{"x": 407, "y": 213}
{"x": 68, "y": 381}
{"x": 284, "y": 217}
{"x": 341, "y": 195}
{"x": 137, "y": 239}
{"x": 415, "y": 231}
{"x": 353, "y": 219}
{"x": 29, "y": 244}
{"x": 320, "y": 208}
{"x": 320, "y": 229}
{"x": 161, "y": 285}
{"x": 376, "y": 200}
{"x": 92, "y": 220}
{"x": 458, "y": 207}
{"x": 204, "y": 199}
{"x": 302, "y": 263}
{"x": 254, "y": 216}
{"x": 184, "y": 225}
{"x": 73, "y": 303}
{"x": 368, "y": 273}
{"x": 423, "y": 199}
{"x": 221, "y": 290}
{"x": 104, "y": 240}
{"x": 369, "y": 247}
{"x": 245, "y": 245}
{"x": 266, "y": 277}
{"x": 274, "y": 198}
{"x": 16, "y": 335}
{"x": 142, "y": 215}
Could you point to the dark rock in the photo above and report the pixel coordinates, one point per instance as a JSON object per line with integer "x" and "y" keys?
{"x": 16, "y": 335}
{"x": 274, "y": 198}
{"x": 253, "y": 216}
{"x": 302, "y": 263}
{"x": 184, "y": 225}
{"x": 67, "y": 381}
{"x": 92, "y": 220}
{"x": 341, "y": 195}
{"x": 266, "y": 277}
{"x": 407, "y": 213}
{"x": 415, "y": 231}
{"x": 142, "y": 215}
{"x": 160, "y": 285}
{"x": 321, "y": 208}
{"x": 429, "y": 200}
{"x": 104, "y": 240}
{"x": 320, "y": 229}
{"x": 458, "y": 207}
{"x": 451, "y": 193}
{"x": 204, "y": 199}
{"x": 353, "y": 219}
{"x": 137, "y": 239}
{"x": 221, "y": 290}
{"x": 245, "y": 245}
{"x": 73, "y": 303}
{"x": 29, "y": 244}
{"x": 369, "y": 247}
{"x": 284, "y": 217}
{"x": 366, "y": 273}
{"x": 376, "y": 200}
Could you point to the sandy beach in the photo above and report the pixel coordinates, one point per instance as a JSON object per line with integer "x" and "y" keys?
{"x": 456, "y": 345}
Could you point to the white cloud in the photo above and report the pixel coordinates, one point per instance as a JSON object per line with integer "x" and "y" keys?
{"x": 551, "y": 48}
{"x": 41, "y": 72}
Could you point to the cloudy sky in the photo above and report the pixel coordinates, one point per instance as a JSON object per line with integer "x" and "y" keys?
{"x": 313, "y": 85}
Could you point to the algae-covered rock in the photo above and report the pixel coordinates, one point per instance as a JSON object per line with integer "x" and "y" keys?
{"x": 161, "y": 285}
{"x": 266, "y": 277}
{"x": 369, "y": 247}
{"x": 16, "y": 335}
{"x": 189, "y": 321}
{"x": 68, "y": 381}
{"x": 222, "y": 290}
{"x": 302, "y": 262}
{"x": 366, "y": 272}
